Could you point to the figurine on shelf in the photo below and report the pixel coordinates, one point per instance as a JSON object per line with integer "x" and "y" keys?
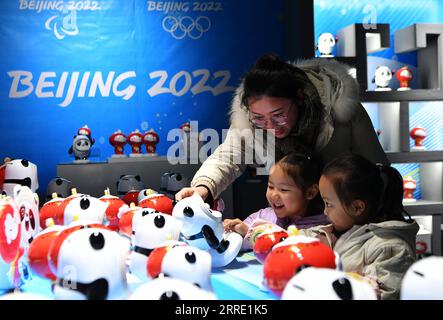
{"x": 135, "y": 141}
{"x": 419, "y": 135}
{"x": 409, "y": 186}
{"x": 326, "y": 44}
{"x": 85, "y": 131}
{"x": 150, "y": 140}
{"x": 118, "y": 141}
{"x": 404, "y": 75}
{"x": 81, "y": 148}
{"x": 382, "y": 77}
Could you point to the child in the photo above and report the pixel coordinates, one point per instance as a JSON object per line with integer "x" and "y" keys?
{"x": 293, "y": 198}
{"x": 363, "y": 201}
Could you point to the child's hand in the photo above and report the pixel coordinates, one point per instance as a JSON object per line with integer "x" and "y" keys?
{"x": 235, "y": 225}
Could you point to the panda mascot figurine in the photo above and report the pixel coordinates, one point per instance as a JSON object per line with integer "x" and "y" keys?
{"x": 203, "y": 228}
{"x": 19, "y": 172}
{"x": 382, "y": 78}
{"x": 81, "y": 148}
{"x": 172, "y": 182}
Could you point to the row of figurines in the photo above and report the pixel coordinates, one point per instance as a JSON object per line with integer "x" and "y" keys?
{"x": 87, "y": 259}
{"x": 83, "y": 141}
{"x": 382, "y": 75}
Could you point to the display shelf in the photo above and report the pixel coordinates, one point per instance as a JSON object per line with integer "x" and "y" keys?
{"x": 415, "y": 156}
{"x": 398, "y": 96}
{"x": 423, "y": 207}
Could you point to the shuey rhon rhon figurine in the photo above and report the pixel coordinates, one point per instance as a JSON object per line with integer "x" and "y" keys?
{"x": 409, "y": 186}
{"x": 135, "y": 140}
{"x": 404, "y": 76}
{"x": 118, "y": 140}
{"x": 294, "y": 253}
{"x": 150, "y": 140}
{"x": 418, "y": 134}
{"x": 328, "y": 284}
{"x": 203, "y": 228}
{"x": 326, "y": 44}
{"x": 382, "y": 78}
{"x": 10, "y": 239}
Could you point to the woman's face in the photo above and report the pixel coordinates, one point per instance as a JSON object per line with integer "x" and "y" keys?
{"x": 334, "y": 210}
{"x": 270, "y": 113}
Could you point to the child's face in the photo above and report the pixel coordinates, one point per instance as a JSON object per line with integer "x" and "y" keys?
{"x": 284, "y": 196}
{"x": 334, "y": 210}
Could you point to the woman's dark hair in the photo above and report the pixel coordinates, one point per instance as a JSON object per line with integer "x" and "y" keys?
{"x": 273, "y": 77}
{"x": 304, "y": 171}
{"x": 379, "y": 186}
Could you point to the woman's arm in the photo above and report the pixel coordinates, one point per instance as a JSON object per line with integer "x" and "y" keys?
{"x": 223, "y": 166}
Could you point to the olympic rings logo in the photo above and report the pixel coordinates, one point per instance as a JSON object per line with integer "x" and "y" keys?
{"x": 186, "y": 26}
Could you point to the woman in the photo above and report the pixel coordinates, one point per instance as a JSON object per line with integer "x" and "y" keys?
{"x": 311, "y": 107}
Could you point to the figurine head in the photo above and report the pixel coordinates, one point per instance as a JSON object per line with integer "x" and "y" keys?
{"x": 292, "y": 255}
{"x": 195, "y": 214}
{"x": 327, "y": 284}
{"x": 128, "y": 183}
{"x": 28, "y": 204}
{"x": 326, "y": 43}
{"x": 404, "y": 75}
{"x": 382, "y": 76}
{"x": 135, "y": 138}
{"x": 91, "y": 266}
{"x": 423, "y": 280}
{"x": 19, "y": 172}
{"x": 164, "y": 288}
{"x": 172, "y": 182}
{"x": 62, "y": 187}
{"x": 150, "y": 137}
{"x": 81, "y": 146}
{"x": 83, "y": 208}
{"x": 118, "y": 138}
{"x": 182, "y": 262}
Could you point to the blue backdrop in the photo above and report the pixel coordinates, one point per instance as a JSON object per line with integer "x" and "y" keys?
{"x": 122, "y": 64}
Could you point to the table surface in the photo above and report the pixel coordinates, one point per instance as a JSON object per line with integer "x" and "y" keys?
{"x": 242, "y": 279}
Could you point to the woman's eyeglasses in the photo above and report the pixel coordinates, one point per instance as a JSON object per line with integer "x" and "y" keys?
{"x": 277, "y": 120}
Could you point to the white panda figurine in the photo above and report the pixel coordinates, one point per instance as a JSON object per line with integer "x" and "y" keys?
{"x": 326, "y": 44}
{"x": 181, "y": 261}
{"x": 150, "y": 231}
{"x": 27, "y": 203}
{"x": 19, "y": 172}
{"x": 327, "y": 284}
{"x": 164, "y": 288}
{"x": 85, "y": 207}
{"x": 203, "y": 228}
{"x": 81, "y": 148}
{"x": 382, "y": 78}
{"x": 91, "y": 266}
{"x": 423, "y": 280}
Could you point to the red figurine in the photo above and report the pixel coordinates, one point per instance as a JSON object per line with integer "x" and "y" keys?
{"x": 115, "y": 206}
{"x": 150, "y": 140}
{"x": 135, "y": 141}
{"x": 404, "y": 75}
{"x": 418, "y": 134}
{"x": 118, "y": 140}
{"x": 409, "y": 186}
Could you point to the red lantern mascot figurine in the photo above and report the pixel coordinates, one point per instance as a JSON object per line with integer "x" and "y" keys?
{"x": 404, "y": 75}
{"x": 118, "y": 140}
{"x": 150, "y": 140}
{"x": 135, "y": 141}
{"x": 418, "y": 134}
{"x": 409, "y": 186}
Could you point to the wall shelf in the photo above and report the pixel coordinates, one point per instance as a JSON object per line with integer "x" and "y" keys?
{"x": 415, "y": 156}
{"x": 399, "y": 96}
{"x": 423, "y": 207}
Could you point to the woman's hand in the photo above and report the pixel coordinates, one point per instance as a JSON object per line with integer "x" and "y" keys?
{"x": 187, "y": 192}
{"x": 236, "y": 225}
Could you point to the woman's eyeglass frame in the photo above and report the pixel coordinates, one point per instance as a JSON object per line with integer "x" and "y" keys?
{"x": 277, "y": 120}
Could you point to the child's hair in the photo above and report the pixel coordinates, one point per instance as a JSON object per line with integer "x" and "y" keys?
{"x": 305, "y": 171}
{"x": 379, "y": 186}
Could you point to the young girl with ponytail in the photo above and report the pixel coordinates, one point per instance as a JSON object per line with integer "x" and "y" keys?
{"x": 363, "y": 202}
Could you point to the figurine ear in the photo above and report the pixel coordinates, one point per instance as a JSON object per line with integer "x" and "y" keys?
{"x": 137, "y": 178}
{"x": 393, "y": 71}
{"x": 117, "y": 183}
{"x": 336, "y": 39}
{"x": 122, "y": 176}
{"x": 373, "y": 80}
